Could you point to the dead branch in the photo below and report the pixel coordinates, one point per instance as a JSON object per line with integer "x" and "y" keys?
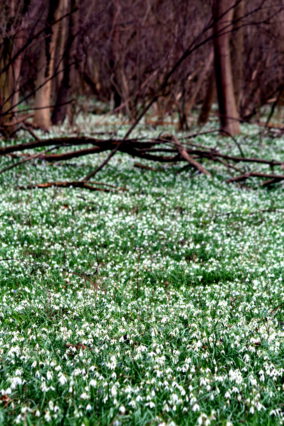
{"x": 73, "y": 184}
{"x": 24, "y": 160}
{"x": 184, "y": 154}
{"x": 131, "y": 146}
{"x": 145, "y": 167}
{"x": 69, "y": 155}
{"x": 270, "y": 182}
{"x": 164, "y": 149}
{"x": 274, "y": 178}
{"x": 108, "y": 144}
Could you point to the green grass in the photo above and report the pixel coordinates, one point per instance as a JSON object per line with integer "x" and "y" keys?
{"x": 162, "y": 305}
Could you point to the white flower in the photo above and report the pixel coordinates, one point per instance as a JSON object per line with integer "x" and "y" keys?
{"x": 122, "y": 410}
{"x": 84, "y": 395}
{"x": 113, "y": 391}
{"x": 15, "y": 381}
{"x": 62, "y": 379}
{"x": 49, "y": 375}
{"x": 44, "y": 387}
{"x": 151, "y": 404}
{"x": 47, "y": 416}
{"x": 18, "y": 419}
{"x": 203, "y": 420}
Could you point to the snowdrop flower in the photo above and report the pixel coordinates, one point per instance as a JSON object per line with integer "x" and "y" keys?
{"x": 62, "y": 379}
{"x": 195, "y": 407}
{"x": 84, "y": 395}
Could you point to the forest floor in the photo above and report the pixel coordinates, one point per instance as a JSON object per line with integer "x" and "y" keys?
{"x": 159, "y": 305}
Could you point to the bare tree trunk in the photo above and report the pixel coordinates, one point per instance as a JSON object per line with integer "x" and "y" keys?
{"x": 16, "y": 71}
{"x": 208, "y": 100}
{"x": 280, "y": 102}
{"x": 63, "y": 103}
{"x": 62, "y": 35}
{"x": 229, "y": 117}
{"x": 43, "y": 98}
{"x": 200, "y": 81}
{"x": 238, "y": 51}
{"x": 7, "y": 81}
{"x": 186, "y": 107}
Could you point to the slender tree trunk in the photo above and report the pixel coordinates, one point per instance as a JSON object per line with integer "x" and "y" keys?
{"x": 200, "y": 81}
{"x": 238, "y": 51}
{"x": 62, "y": 35}
{"x": 228, "y": 113}
{"x": 280, "y": 102}
{"x": 16, "y": 69}
{"x": 63, "y": 102}
{"x": 43, "y": 98}
{"x": 6, "y": 83}
{"x": 208, "y": 100}
{"x": 12, "y": 38}
{"x": 187, "y": 108}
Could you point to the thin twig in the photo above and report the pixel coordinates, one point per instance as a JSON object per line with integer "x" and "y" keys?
{"x": 25, "y": 160}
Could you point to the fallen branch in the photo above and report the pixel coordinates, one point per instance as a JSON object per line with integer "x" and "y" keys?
{"x": 246, "y": 176}
{"x": 74, "y": 184}
{"x": 145, "y": 167}
{"x": 270, "y": 182}
{"x": 184, "y": 154}
{"x": 25, "y": 160}
{"x": 135, "y": 147}
{"x": 164, "y": 149}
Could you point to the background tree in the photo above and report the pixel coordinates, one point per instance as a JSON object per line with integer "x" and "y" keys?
{"x": 45, "y": 70}
{"x": 223, "y": 11}
{"x": 120, "y": 52}
{"x": 63, "y": 105}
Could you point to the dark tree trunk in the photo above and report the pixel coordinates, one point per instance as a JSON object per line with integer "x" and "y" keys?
{"x": 208, "y": 100}
{"x": 43, "y": 98}
{"x": 238, "y": 51}
{"x": 63, "y": 101}
{"x": 229, "y": 117}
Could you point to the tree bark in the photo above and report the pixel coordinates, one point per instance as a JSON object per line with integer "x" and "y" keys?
{"x": 11, "y": 41}
{"x": 208, "y": 100}
{"x": 228, "y": 113}
{"x": 6, "y": 49}
{"x": 63, "y": 101}
{"x": 43, "y": 98}
{"x": 186, "y": 107}
{"x": 238, "y": 51}
{"x": 6, "y": 84}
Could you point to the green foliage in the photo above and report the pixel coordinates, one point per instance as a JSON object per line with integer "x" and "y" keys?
{"x": 160, "y": 306}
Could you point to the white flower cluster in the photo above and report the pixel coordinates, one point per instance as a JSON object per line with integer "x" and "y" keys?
{"x": 160, "y": 305}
